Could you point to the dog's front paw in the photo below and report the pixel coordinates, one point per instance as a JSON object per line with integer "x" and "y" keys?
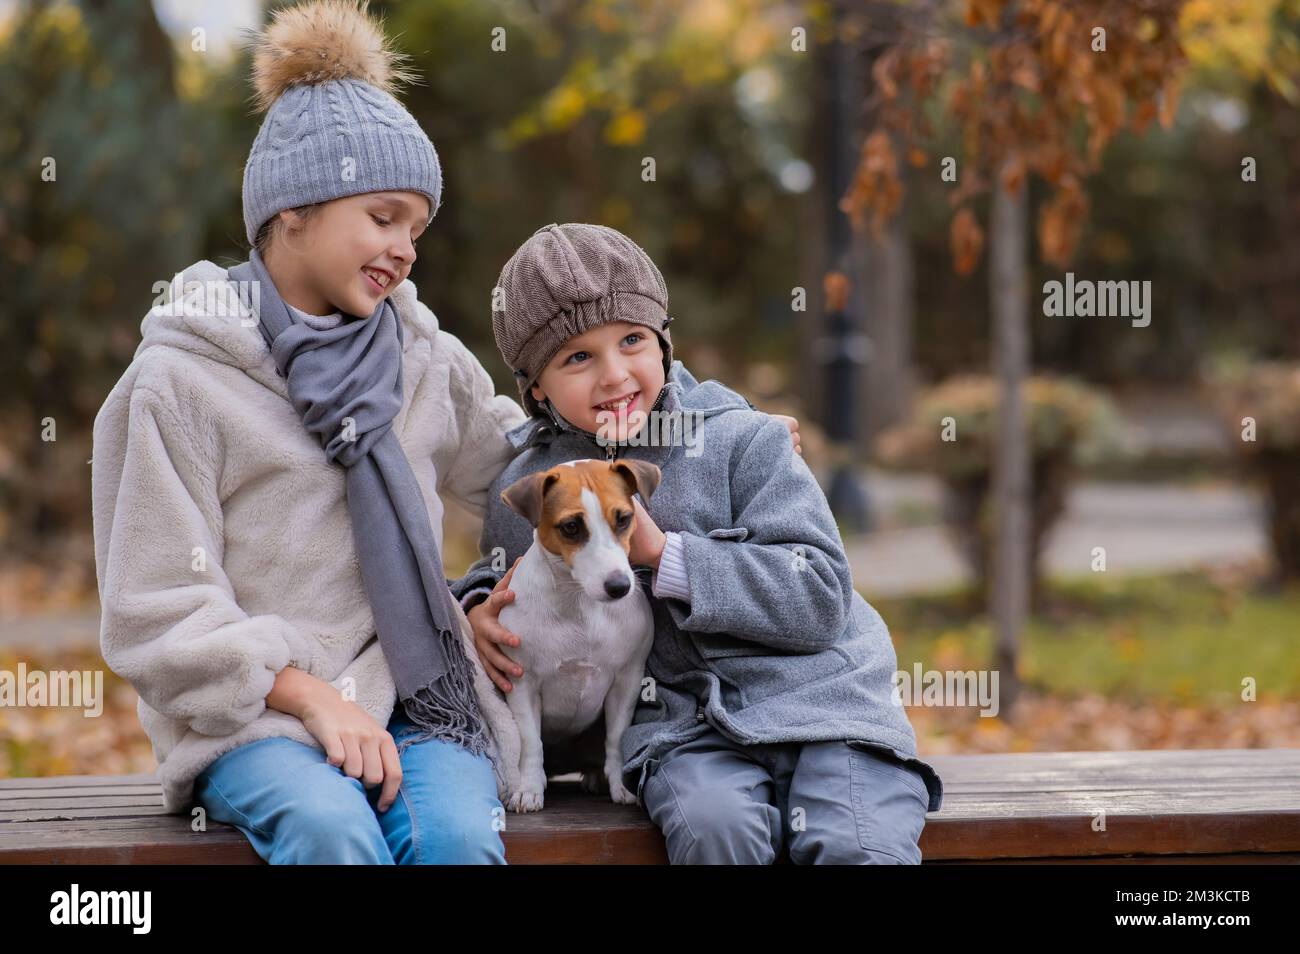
{"x": 526, "y": 800}
{"x": 528, "y": 797}
{"x": 620, "y": 795}
{"x": 617, "y": 792}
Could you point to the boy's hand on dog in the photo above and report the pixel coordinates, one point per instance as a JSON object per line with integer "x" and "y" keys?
{"x": 489, "y": 634}
{"x": 793, "y": 424}
{"x": 353, "y": 741}
{"x": 647, "y": 544}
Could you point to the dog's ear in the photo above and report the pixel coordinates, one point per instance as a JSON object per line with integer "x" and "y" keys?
{"x": 525, "y": 495}
{"x": 642, "y": 477}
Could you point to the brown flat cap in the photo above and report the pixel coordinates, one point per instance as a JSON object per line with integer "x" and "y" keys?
{"x": 566, "y": 280}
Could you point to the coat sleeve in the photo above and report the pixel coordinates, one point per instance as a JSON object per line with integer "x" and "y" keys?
{"x": 504, "y": 539}
{"x": 170, "y": 622}
{"x": 479, "y": 580}
{"x": 483, "y": 418}
{"x": 785, "y": 583}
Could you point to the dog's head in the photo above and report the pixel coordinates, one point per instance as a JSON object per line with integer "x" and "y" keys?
{"x": 583, "y": 513}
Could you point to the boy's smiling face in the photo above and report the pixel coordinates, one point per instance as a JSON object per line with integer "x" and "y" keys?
{"x": 594, "y": 370}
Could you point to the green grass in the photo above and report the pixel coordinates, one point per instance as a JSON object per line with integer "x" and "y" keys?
{"x": 1179, "y": 638}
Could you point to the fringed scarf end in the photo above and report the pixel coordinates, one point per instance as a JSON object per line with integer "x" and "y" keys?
{"x": 447, "y": 708}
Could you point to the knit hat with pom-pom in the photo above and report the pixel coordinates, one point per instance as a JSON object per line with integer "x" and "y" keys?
{"x": 325, "y": 74}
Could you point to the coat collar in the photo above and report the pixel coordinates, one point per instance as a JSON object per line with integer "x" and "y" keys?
{"x": 203, "y": 312}
{"x": 543, "y": 430}
{"x": 681, "y": 393}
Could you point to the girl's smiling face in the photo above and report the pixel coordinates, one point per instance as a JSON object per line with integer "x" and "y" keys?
{"x": 349, "y": 254}
{"x": 591, "y": 378}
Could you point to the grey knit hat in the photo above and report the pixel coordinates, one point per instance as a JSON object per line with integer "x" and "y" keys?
{"x": 325, "y": 74}
{"x": 566, "y": 280}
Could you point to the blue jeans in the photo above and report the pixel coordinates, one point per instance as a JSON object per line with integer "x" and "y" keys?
{"x": 296, "y": 808}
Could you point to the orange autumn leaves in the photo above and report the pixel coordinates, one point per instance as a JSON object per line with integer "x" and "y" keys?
{"x": 966, "y": 239}
{"x": 1033, "y": 95}
{"x": 876, "y": 189}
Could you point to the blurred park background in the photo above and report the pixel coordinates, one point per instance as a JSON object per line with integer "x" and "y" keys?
{"x": 856, "y": 207}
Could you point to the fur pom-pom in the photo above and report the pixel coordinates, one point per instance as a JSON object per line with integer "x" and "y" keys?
{"x": 320, "y": 41}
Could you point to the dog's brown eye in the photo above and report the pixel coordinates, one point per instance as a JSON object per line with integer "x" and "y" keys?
{"x": 571, "y": 528}
{"x": 622, "y": 521}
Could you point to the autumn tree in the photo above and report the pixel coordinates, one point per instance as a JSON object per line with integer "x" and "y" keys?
{"x": 1038, "y": 89}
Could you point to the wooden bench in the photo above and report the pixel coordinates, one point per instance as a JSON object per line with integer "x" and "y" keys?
{"x": 1229, "y": 805}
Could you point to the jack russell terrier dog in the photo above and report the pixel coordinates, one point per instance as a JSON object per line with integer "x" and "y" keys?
{"x": 585, "y": 627}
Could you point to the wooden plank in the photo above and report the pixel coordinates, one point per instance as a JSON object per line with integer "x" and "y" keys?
{"x": 13, "y": 796}
{"x": 1155, "y": 834}
{"x": 1171, "y": 769}
{"x": 164, "y": 840}
{"x": 66, "y": 781}
{"x": 582, "y": 829}
{"x": 127, "y": 797}
{"x": 86, "y": 815}
{"x": 1238, "y": 859}
{"x": 1165, "y": 804}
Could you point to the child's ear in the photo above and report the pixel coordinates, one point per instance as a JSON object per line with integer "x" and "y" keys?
{"x": 538, "y": 394}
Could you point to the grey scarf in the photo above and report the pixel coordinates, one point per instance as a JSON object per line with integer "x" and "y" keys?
{"x": 346, "y": 384}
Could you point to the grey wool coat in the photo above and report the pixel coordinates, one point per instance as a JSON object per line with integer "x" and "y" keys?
{"x": 775, "y": 645}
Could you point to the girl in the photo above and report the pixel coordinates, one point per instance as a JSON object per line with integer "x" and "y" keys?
{"x": 243, "y": 573}
{"x": 772, "y": 725}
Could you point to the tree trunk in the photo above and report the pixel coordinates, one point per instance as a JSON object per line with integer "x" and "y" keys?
{"x": 1008, "y": 293}
{"x": 889, "y": 385}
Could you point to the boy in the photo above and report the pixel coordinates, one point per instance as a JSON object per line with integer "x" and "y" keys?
{"x": 771, "y": 725}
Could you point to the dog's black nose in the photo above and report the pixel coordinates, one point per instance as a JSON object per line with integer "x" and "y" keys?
{"x": 617, "y": 585}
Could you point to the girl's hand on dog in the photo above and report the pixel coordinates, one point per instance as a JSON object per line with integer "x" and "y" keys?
{"x": 353, "y": 741}
{"x": 490, "y": 635}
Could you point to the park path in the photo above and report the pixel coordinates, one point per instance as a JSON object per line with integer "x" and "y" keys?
{"x": 1145, "y": 528}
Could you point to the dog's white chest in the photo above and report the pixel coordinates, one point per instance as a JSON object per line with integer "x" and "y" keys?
{"x": 573, "y": 697}
{"x": 573, "y": 650}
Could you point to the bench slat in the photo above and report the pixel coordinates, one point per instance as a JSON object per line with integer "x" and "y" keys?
{"x": 76, "y": 781}
{"x": 1162, "y": 805}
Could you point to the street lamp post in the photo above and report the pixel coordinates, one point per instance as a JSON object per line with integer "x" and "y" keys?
{"x": 843, "y": 349}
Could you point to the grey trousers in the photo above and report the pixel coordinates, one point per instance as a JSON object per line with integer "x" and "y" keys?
{"x": 720, "y": 802}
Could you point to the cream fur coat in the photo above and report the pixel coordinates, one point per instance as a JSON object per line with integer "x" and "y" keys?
{"x": 223, "y": 544}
